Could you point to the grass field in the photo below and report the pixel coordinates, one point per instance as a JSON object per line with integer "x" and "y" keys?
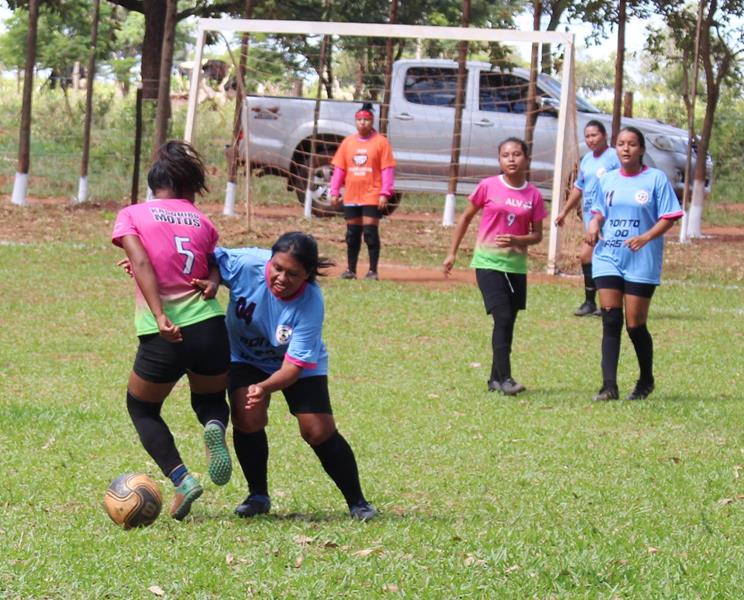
{"x": 543, "y": 496}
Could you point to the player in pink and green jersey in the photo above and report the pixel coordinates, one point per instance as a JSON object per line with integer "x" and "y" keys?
{"x": 169, "y": 243}
{"x": 513, "y": 211}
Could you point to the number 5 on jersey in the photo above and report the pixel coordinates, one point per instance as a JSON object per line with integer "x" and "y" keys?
{"x": 180, "y": 241}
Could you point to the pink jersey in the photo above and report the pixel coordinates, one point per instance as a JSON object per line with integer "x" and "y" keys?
{"x": 506, "y": 210}
{"x": 178, "y": 239}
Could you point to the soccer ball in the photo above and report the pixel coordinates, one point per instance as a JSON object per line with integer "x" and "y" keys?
{"x": 133, "y": 500}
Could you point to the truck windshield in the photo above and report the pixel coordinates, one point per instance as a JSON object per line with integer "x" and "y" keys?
{"x": 552, "y": 86}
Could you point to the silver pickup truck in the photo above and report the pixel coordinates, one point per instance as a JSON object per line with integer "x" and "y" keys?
{"x": 420, "y": 128}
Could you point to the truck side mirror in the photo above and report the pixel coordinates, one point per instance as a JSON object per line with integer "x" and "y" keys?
{"x": 548, "y": 106}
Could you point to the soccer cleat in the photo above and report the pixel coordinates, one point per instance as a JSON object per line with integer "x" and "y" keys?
{"x": 494, "y": 386}
{"x": 254, "y": 504}
{"x": 348, "y": 275}
{"x": 220, "y": 464}
{"x": 509, "y": 387}
{"x": 608, "y": 392}
{"x": 372, "y": 275}
{"x": 598, "y": 312}
{"x": 186, "y": 492}
{"x": 588, "y": 308}
{"x": 363, "y": 511}
{"x": 641, "y": 390}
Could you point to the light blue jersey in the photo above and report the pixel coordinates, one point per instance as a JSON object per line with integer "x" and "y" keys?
{"x": 591, "y": 169}
{"x": 264, "y": 329}
{"x": 631, "y": 206}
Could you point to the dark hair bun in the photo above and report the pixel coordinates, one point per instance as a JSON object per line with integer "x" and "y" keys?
{"x": 368, "y": 106}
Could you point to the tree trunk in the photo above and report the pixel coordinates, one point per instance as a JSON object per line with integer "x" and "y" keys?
{"x": 152, "y": 47}
{"x": 24, "y": 144}
{"x": 556, "y": 12}
{"x": 617, "y": 103}
{"x": 166, "y": 64}
{"x": 385, "y": 106}
{"x": 90, "y": 76}
{"x": 531, "y": 116}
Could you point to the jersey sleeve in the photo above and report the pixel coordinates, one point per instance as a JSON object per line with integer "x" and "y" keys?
{"x": 539, "y": 212}
{"x": 305, "y": 346}
{"x": 228, "y": 264}
{"x": 386, "y": 154}
{"x": 339, "y": 159}
{"x": 580, "y": 181}
{"x": 124, "y": 225}
{"x": 667, "y": 202}
{"x": 479, "y": 196}
{"x": 598, "y": 206}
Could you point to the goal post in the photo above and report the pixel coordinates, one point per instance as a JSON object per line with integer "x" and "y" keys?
{"x": 566, "y": 144}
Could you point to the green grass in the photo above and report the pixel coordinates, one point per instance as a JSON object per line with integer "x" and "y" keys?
{"x": 542, "y": 496}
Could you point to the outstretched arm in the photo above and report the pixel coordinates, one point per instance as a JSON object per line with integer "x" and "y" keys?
{"x": 462, "y": 226}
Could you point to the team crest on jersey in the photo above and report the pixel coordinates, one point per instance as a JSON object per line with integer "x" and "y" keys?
{"x": 360, "y": 160}
{"x": 641, "y": 197}
{"x": 601, "y": 171}
{"x": 283, "y": 333}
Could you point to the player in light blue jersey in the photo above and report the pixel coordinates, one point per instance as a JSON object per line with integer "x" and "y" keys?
{"x": 599, "y": 160}
{"x": 274, "y": 322}
{"x": 633, "y": 208}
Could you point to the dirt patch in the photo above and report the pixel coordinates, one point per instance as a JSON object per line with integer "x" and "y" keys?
{"x": 414, "y": 244}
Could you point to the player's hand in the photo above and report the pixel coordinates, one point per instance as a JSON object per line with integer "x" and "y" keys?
{"x": 637, "y": 242}
{"x": 126, "y": 265}
{"x": 447, "y": 265}
{"x": 169, "y": 331}
{"x": 208, "y": 288}
{"x": 382, "y": 202}
{"x": 592, "y": 233}
{"x": 560, "y": 219}
{"x": 335, "y": 200}
{"x": 256, "y": 396}
{"x": 505, "y": 240}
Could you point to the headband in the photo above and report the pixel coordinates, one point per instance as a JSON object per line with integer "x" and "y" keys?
{"x": 360, "y": 114}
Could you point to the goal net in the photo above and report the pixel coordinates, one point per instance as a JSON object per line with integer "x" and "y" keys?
{"x": 444, "y": 96}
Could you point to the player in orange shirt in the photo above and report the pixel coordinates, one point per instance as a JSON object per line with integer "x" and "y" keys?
{"x": 364, "y": 164}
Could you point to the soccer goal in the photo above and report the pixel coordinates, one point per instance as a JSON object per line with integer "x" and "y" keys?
{"x": 444, "y": 96}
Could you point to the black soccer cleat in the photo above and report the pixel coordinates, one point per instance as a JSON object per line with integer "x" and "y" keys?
{"x": 641, "y": 390}
{"x": 363, "y": 511}
{"x": 608, "y": 392}
{"x": 254, "y": 504}
{"x": 494, "y": 386}
{"x": 509, "y": 387}
{"x": 586, "y": 309}
{"x": 348, "y": 275}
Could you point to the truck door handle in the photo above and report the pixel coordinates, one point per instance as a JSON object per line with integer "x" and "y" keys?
{"x": 404, "y": 117}
{"x": 484, "y": 123}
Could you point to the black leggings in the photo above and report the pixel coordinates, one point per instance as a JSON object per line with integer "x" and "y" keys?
{"x": 504, "y": 319}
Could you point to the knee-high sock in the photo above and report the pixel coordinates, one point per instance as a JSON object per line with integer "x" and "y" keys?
{"x": 372, "y": 239}
{"x": 644, "y": 349}
{"x": 590, "y": 291}
{"x": 211, "y": 407}
{"x": 252, "y": 450}
{"x": 612, "y": 327}
{"x": 504, "y": 319}
{"x": 154, "y": 433}
{"x": 338, "y": 460}
{"x": 353, "y": 245}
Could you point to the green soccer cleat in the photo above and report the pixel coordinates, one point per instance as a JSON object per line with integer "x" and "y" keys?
{"x": 220, "y": 464}
{"x": 186, "y": 493}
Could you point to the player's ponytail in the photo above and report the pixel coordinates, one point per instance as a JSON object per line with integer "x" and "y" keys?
{"x": 304, "y": 249}
{"x": 178, "y": 167}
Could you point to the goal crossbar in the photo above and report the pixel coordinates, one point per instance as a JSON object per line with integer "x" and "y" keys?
{"x": 415, "y": 32}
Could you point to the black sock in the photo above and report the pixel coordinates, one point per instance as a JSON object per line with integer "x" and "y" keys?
{"x": 590, "y": 291}
{"x": 154, "y": 433}
{"x": 252, "y": 450}
{"x": 612, "y": 327}
{"x": 644, "y": 349}
{"x": 353, "y": 245}
{"x": 211, "y": 407}
{"x": 372, "y": 239}
{"x": 504, "y": 319}
{"x": 338, "y": 460}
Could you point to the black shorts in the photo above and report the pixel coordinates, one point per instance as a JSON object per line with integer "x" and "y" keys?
{"x": 306, "y": 395}
{"x": 502, "y": 289}
{"x": 361, "y": 210}
{"x": 204, "y": 350}
{"x": 631, "y": 288}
